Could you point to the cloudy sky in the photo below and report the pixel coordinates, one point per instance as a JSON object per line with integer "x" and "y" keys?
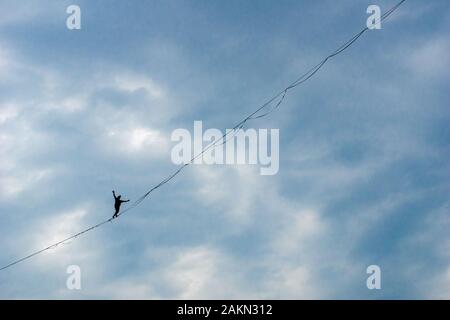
{"x": 364, "y": 149}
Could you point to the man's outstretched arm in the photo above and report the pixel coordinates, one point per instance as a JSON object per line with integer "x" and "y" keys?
{"x": 114, "y": 194}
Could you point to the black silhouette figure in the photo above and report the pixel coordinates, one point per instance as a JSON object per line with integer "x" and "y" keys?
{"x": 117, "y": 203}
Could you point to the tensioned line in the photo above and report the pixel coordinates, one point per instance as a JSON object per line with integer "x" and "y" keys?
{"x": 279, "y": 97}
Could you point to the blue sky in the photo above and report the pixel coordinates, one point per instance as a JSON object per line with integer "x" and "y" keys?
{"x": 364, "y": 150}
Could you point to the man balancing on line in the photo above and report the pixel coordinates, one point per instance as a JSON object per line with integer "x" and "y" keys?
{"x": 117, "y": 203}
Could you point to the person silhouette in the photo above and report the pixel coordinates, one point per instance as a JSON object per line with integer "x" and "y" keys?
{"x": 117, "y": 203}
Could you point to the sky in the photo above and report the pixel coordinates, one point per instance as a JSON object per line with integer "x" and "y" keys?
{"x": 364, "y": 150}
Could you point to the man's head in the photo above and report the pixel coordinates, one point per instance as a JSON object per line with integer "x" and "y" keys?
{"x": 119, "y": 196}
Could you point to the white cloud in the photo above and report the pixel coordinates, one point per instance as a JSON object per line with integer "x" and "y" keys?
{"x": 20, "y": 13}
{"x": 7, "y": 112}
{"x": 127, "y": 289}
{"x": 237, "y": 189}
{"x": 136, "y": 140}
{"x": 146, "y": 138}
{"x": 297, "y": 240}
{"x": 198, "y": 272}
{"x": 132, "y": 83}
{"x": 292, "y": 282}
{"x": 13, "y": 183}
{"x": 4, "y": 62}
{"x": 29, "y": 12}
{"x": 59, "y": 226}
{"x": 298, "y": 227}
{"x": 431, "y": 58}
{"x": 195, "y": 272}
{"x": 8, "y": 63}
{"x": 18, "y": 140}
{"x": 444, "y": 284}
